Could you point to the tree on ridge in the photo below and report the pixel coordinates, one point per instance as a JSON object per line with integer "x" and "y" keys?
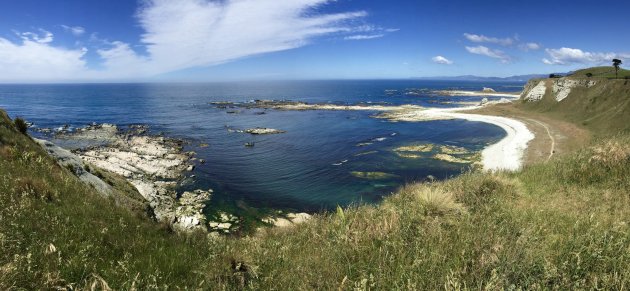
{"x": 616, "y": 63}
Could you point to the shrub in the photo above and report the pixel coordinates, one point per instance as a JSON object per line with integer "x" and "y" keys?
{"x": 20, "y": 125}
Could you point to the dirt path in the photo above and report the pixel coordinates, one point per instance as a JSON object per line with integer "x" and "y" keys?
{"x": 552, "y": 148}
{"x": 553, "y": 136}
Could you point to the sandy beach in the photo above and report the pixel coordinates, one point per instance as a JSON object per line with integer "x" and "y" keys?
{"x": 507, "y": 154}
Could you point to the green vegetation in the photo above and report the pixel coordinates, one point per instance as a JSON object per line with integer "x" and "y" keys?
{"x": 607, "y": 72}
{"x": 604, "y": 107}
{"x": 616, "y": 64}
{"x": 20, "y": 125}
{"x": 564, "y": 224}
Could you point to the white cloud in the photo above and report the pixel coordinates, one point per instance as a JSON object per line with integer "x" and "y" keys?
{"x": 363, "y": 36}
{"x": 480, "y": 38}
{"x": 75, "y": 30}
{"x": 184, "y": 34}
{"x": 38, "y": 61}
{"x": 484, "y": 51}
{"x": 530, "y": 46}
{"x": 567, "y": 56}
{"x": 42, "y": 37}
{"x": 442, "y": 60}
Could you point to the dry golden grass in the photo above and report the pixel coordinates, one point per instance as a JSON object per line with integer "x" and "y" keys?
{"x": 611, "y": 153}
{"x": 435, "y": 201}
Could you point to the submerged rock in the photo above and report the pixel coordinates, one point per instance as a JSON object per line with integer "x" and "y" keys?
{"x": 423, "y": 148}
{"x": 224, "y": 223}
{"x": 409, "y": 155}
{"x": 373, "y": 175}
{"x": 453, "y": 150}
{"x": 450, "y": 159}
{"x": 365, "y": 153}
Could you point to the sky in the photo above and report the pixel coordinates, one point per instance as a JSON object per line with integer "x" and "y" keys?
{"x": 231, "y": 40}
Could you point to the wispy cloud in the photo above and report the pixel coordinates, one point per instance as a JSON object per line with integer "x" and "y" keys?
{"x": 480, "y": 38}
{"x": 493, "y": 53}
{"x": 441, "y": 60}
{"x": 184, "y": 34}
{"x": 363, "y": 36}
{"x": 530, "y": 46}
{"x": 368, "y": 32}
{"x": 75, "y": 30}
{"x": 568, "y": 56}
{"x": 42, "y": 36}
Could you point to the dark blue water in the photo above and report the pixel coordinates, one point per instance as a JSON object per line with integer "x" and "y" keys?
{"x": 289, "y": 171}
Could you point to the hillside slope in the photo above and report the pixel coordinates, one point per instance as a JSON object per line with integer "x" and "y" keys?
{"x": 600, "y": 104}
{"x": 57, "y": 232}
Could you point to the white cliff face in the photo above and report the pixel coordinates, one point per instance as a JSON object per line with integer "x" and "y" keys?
{"x": 562, "y": 87}
{"x": 536, "y": 93}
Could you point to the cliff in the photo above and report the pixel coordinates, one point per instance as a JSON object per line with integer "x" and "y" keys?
{"x": 598, "y": 103}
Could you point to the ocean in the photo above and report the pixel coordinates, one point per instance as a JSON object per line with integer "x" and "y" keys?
{"x": 308, "y": 168}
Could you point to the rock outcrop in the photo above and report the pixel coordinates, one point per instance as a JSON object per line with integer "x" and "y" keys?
{"x": 75, "y": 164}
{"x": 534, "y": 91}
{"x": 189, "y": 210}
{"x": 263, "y": 130}
{"x": 152, "y": 164}
{"x": 290, "y": 219}
{"x": 560, "y": 88}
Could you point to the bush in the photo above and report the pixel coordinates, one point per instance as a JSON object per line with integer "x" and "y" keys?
{"x": 20, "y": 125}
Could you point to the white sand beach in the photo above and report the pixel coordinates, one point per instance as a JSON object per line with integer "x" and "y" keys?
{"x": 507, "y": 154}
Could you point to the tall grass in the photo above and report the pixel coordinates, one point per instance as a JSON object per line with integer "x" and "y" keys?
{"x": 559, "y": 225}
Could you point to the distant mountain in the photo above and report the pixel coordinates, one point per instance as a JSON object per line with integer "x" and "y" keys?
{"x": 519, "y": 78}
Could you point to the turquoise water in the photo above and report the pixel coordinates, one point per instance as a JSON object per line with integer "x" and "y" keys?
{"x": 298, "y": 170}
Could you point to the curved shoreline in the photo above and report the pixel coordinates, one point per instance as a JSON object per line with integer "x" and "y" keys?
{"x": 507, "y": 154}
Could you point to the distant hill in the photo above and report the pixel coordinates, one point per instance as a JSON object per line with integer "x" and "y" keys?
{"x": 518, "y": 78}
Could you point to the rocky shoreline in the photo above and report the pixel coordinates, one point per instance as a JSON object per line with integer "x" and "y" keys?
{"x": 155, "y": 166}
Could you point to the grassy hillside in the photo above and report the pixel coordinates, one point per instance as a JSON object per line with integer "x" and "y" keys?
{"x": 603, "y": 108}
{"x": 564, "y": 225}
{"x": 602, "y": 72}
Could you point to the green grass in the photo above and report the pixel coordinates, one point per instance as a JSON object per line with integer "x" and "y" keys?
{"x": 602, "y": 72}
{"x": 559, "y": 225}
{"x": 603, "y": 108}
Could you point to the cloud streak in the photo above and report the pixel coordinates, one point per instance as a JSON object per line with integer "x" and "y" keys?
{"x": 363, "y": 36}
{"x": 441, "y": 60}
{"x": 75, "y": 30}
{"x": 480, "y": 38}
{"x": 492, "y": 53}
{"x": 185, "y": 34}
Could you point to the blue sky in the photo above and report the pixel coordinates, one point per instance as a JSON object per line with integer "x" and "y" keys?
{"x": 203, "y": 40}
